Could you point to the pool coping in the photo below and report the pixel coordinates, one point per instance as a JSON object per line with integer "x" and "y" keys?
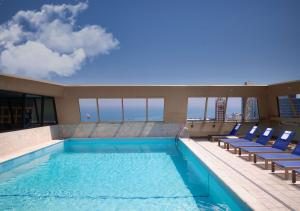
{"x": 255, "y": 196}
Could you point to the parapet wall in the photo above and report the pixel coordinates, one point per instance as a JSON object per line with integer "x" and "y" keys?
{"x": 17, "y": 141}
{"x": 128, "y": 129}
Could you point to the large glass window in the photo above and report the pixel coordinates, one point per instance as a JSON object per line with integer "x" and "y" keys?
{"x": 155, "y": 109}
{"x": 49, "y": 110}
{"x": 33, "y": 110}
{"x": 251, "y": 109}
{"x": 216, "y": 108}
{"x": 134, "y": 109}
{"x": 20, "y": 110}
{"x": 211, "y": 107}
{"x": 110, "y": 110}
{"x": 289, "y": 106}
{"x": 88, "y": 110}
{"x": 234, "y": 109}
{"x": 196, "y": 108}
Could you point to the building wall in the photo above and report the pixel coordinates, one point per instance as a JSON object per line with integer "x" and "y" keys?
{"x": 17, "y": 141}
{"x": 279, "y": 124}
{"x": 127, "y": 129}
{"x": 176, "y": 99}
{"x": 18, "y": 84}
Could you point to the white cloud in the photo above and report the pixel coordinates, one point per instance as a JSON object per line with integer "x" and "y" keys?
{"x": 45, "y": 42}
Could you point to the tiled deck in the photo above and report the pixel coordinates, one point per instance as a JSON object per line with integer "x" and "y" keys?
{"x": 259, "y": 188}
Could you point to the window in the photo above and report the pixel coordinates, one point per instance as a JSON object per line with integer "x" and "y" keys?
{"x": 234, "y": 109}
{"x": 211, "y": 106}
{"x": 88, "y": 110}
{"x": 196, "y": 108}
{"x": 289, "y": 106}
{"x": 33, "y": 110}
{"x": 134, "y": 109}
{"x": 20, "y": 110}
{"x": 216, "y": 108}
{"x": 49, "y": 111}
{"x": 155, "y": 109}
{"x": 296, "y": 102}
{"x": 110, "y": 110}
{"x": 251, "y": 109}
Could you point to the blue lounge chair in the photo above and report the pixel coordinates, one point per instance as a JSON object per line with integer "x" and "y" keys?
{"x": 287, "y": 165}
{"x": 233, "y": 132}
{"x": 294, "y": 175}
{"x": 249, "y": 137}
{"x": 262, "y": 140}
{"x": 235, "y": 129}
{"x": 295, "y": 155}
{"x": 279, "y": 146}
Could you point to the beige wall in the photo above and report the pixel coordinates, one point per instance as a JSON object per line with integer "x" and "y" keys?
{"x": 127, "y": 129}
{"x": 176, "y": 98}
{"x": 18, "y": 84}
{"x": 17, "y": 141}
{"x": 278, "y": 123}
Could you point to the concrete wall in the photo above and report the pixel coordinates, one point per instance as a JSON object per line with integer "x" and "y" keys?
{"x": 19, "y": 142}
{"x": 16, "y": 141}
{"x": 279, "y": 124}
{"x": 128, "y": 129}
{"x": 199, "y": 129}
{"x": 18, "y": 84}
{"x": 176, "y": 99}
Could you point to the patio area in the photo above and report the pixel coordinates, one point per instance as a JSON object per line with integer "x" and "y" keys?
{"x": 259, "y": 188}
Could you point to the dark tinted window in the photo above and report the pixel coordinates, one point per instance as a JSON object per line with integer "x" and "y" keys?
{"x": 20, "y": 110}
{"x": 289, "y": 106}
{"x": 49, "y": 111}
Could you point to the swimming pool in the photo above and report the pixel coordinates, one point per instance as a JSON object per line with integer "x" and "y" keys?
{"x": 113, "y": 174}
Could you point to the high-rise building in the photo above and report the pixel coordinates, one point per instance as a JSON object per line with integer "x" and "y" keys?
{"x": 251, "y": 111}
{"x": 220, "y": 108}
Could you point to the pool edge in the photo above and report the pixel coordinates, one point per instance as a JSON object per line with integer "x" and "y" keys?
{"x": 192, "y": 146}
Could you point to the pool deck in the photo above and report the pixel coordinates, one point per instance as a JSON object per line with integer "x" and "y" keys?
{"x": 259, "y": 188}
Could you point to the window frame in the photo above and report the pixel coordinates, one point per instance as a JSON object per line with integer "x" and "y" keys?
{"x": 205, "y": 109}
{"x": 23, "y": 97}
{"x": 123, "y": 109}
{"x": 145, "y": 112}
{"x": 242, "y": 110}
{"x": 245, "y": 106}
{"x": 292, "y": 106}
{"x": 99, "y": 109}
{"x": 97, "y": 113}
{"x": 225, "y": 109}
{"x": 147, "y": 109}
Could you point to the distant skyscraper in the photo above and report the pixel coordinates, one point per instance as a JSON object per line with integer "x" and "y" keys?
{"x": 220, "y": 108}
{"x": 251, "y": 112}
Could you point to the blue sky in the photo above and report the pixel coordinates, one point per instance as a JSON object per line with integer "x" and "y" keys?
{"x": 178, "y": 42}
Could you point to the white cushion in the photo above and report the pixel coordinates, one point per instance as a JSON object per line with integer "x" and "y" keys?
{"x": 267, "y": 132}
{"x": 253, "y": 129}
{"x": 232, "y": 137}
{"x": 286, "y": 134}
{"x": 237, "y": 126}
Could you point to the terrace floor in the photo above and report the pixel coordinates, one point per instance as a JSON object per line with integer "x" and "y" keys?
{"x": 258, "y": 187}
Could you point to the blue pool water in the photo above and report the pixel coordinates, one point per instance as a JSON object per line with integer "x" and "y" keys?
{"x": 113, "y": 174}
